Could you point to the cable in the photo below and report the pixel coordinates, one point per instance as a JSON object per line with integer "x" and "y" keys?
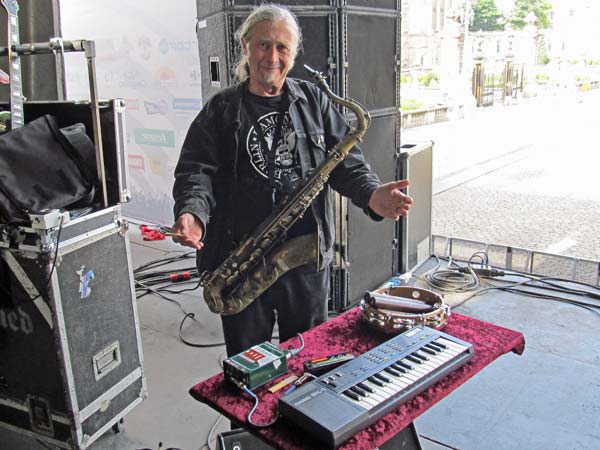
{"x": 256, "y": 401}
{"x": 532, "y": 282}
{"x": 209, "y": 438}
{"x": 293, "y": 352}
{"x": 192, "y": 344}
{"x": 451, "y": 280}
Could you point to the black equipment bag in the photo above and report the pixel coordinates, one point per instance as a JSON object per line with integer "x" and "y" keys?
{"x": 44, "y": 167}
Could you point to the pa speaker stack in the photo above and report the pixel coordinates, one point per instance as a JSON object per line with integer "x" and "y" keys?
{"x": 356, "y": 44}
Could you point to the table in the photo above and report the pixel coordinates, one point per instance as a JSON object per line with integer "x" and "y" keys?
{"x": 348, "y": 332}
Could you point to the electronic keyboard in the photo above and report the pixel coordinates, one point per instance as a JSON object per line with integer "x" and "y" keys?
{"x": 345, "y": 400}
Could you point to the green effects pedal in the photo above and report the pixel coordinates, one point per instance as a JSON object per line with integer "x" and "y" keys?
{"x": 256, "y": 366}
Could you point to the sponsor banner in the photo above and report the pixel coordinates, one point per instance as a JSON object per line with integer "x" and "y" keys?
{"x": 152, "y": 61}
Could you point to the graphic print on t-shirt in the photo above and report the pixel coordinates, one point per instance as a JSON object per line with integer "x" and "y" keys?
{"x": 286, "y": 169}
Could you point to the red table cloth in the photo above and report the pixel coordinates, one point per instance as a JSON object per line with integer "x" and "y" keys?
{"x": 347, "y": 333}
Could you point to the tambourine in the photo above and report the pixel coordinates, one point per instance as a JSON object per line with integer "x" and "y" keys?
{"x": 396, "y": 309}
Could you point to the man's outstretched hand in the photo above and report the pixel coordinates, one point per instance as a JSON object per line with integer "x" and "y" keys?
{"x": 389, "y": 201}
{"x": 188, "y": 231}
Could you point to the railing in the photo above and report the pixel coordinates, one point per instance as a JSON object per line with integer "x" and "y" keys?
{"x": 424, "y": 116}
{"x": 519, "y": 259}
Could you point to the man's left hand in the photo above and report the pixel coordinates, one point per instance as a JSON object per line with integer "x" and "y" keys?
{"x": 389, "y": 201}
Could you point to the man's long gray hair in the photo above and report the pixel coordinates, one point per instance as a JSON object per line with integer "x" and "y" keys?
{"x": 270, "y": 13}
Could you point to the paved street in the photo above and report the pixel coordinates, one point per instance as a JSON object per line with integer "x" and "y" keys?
{"x": 522, "y": 175}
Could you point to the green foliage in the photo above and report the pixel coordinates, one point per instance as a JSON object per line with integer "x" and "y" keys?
{"x": 427, "y": 77}
{"x": 410, "y": 104}
{"x": 541, "y": 9}
{"x": 542, "y": 78}
{"x": 487, "y": 17}
{"x": 405, "y": 79}
{"x": 592, "y": 62}
{"x": 544, "y": 59}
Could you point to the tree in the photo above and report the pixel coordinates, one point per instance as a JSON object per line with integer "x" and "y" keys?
{"x": 487, "y": 17}
{"x": 541, "y": 9}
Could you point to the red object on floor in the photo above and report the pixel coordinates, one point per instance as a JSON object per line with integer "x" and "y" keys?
{"x": 348, "y": 332}
{"x": 151, "y": 234}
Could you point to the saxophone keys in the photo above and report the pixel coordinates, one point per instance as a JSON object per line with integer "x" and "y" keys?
{"x": 226, "y": 273}
{"x": 265, "y": 243}
{"x": 232, "y": 279}
{"x": 256, "y": 254}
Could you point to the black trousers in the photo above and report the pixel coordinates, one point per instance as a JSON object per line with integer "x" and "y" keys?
{"x": 297, "y": 302}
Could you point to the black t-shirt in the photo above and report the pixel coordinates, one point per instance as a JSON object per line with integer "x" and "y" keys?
{"x": 265, "y": 179}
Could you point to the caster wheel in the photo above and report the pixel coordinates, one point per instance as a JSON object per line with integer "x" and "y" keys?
{"x": 118, "y": 426}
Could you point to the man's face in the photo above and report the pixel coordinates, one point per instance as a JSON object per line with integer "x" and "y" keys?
{"x": 270, "y": 57}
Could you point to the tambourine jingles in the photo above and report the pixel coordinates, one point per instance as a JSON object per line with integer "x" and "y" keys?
{"x": 396, "y": 309}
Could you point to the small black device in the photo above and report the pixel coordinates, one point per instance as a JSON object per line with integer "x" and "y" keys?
{"x": 319, "y": 366}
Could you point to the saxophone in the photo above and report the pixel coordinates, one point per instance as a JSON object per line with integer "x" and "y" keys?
{"x": 259, "y": 261}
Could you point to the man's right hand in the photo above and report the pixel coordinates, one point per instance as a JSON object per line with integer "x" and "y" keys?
{"x": 188, "y": 231}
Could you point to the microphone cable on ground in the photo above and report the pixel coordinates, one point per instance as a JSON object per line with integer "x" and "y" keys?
{"x": 462, "y": 279}
{"x": 451, "y": 279}
{"x": 149, "y": 279}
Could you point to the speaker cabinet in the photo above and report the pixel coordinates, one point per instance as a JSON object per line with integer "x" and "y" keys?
{"x": 219, "y": 50}
{"x": 380, "y": 4}
{"x": 416, "y": 165}
{"x": 371, "y": 57}
{"x": 366, "y": 251}
{"x": 356, "y": 44}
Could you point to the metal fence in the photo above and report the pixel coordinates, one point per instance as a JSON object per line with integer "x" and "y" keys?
{"x": 520, "y": 259}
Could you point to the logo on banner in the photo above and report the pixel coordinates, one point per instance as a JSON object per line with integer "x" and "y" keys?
{"x": 145, "y": 47}
{"x": 187, "y": 106}
{"x": 154, "y": 108}
{"x": 167, "y": 77}
{"x": 155, "y": 138}
{"x": 85, "y": 277}
{"x": 174, "y": 45}
{"x": 132, "y": 79}
{"x": 157, "y": 166}
{"x": 132, "y": 104}
{"x": 136, "y": 162}
{"x": 194, "y": 76}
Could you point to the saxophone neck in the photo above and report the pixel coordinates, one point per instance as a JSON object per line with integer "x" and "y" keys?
{"x": 362, "y": 114}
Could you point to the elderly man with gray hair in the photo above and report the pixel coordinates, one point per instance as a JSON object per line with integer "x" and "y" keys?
{"x": 245, "y": 152}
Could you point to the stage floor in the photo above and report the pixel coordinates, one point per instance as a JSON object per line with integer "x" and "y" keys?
{"x": 548, "y": 398}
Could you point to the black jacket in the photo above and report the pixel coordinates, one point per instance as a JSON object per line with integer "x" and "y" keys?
{"x": 206, "y": 173}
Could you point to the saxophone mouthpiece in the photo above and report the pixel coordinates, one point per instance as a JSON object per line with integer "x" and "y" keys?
{"x": 314, "y": 73}
{"x": 318, "y": 76}
{"x": 310, "y": 70}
